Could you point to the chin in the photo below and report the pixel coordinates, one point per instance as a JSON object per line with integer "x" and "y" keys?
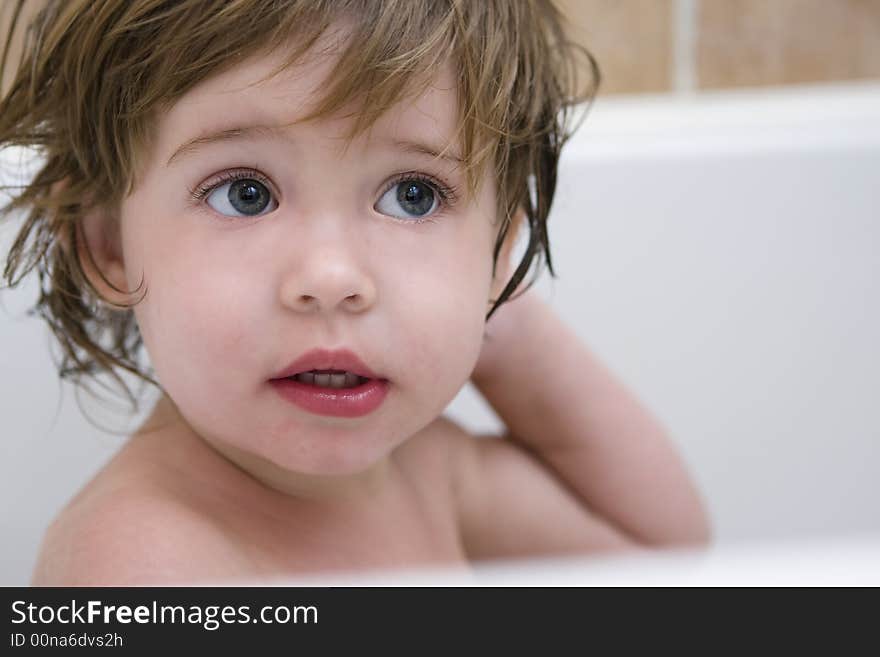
{"x": 341, "y": 455}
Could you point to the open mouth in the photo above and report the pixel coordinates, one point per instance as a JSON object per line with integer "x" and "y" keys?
{"x": 330, "y": 379}
{"x": 338, "y": 393}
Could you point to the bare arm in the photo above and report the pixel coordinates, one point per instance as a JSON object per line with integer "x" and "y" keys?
{"x": 564, "y": 408}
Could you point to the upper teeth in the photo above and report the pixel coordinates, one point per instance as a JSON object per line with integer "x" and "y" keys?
{"x": 346, "y": 380}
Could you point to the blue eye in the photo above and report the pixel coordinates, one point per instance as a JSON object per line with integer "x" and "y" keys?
{"x": 409, "y": 198}
{"x": 243, "y": 197}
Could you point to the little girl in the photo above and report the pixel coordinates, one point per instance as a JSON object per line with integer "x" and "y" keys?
{"x": 302, "y": 212}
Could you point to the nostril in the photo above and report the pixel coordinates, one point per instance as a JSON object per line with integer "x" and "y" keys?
{"x": 307, "y": 300}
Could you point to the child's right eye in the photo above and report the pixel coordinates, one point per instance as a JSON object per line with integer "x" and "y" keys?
{"x": 243, "y": 197}
{"x": 243, "y": 193}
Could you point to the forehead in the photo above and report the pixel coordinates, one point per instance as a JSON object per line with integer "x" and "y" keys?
{"x": 250, "y": 95}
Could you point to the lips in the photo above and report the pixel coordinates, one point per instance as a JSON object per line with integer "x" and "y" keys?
{"x": 341, "y": 360}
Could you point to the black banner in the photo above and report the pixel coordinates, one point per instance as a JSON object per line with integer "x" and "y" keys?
{"x": 413, "y": 620}
{"x": 241, "y": 618}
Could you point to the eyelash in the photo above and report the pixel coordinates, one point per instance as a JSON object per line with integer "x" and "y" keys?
{"x": 448, "y": 193}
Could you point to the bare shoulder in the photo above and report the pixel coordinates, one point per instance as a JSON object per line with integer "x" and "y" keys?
{"x": 116, "y": 533}
{"x": 511, "y": 504}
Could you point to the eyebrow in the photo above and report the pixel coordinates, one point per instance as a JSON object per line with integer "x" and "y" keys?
{"x": 225, "y": 135}
{"x": 409, "y": 146}
{"x": 272, "y": 131}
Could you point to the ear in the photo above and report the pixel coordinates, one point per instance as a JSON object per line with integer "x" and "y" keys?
{"x": 99, "y": 249}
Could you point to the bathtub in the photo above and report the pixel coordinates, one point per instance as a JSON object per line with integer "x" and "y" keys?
{"x": 717, "y": 252}
{"x": 720, "y": 252}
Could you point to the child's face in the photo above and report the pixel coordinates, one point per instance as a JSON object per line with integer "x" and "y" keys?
{"x": 232, "y": 300}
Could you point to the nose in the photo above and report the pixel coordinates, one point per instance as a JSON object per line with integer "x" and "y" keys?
{"x": 324, "y": 282}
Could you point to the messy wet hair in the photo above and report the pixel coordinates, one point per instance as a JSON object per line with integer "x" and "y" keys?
{"x": 93, "y": 75}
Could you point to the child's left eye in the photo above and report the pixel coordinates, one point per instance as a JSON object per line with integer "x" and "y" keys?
{"x": 414, "y": 196}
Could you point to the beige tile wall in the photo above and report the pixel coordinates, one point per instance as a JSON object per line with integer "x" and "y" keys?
{"x": 629, "y": 38}
{"x": 760, "y": 42}
{"x": 726, "y": 43}
{"x": 7, "y": 7}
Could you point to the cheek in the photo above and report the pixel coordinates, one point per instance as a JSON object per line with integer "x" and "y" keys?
{"x": 195, "y": 316}
{"x": 441, "y": 308}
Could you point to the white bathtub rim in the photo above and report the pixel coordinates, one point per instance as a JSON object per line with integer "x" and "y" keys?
{"x": 809, "y": 117}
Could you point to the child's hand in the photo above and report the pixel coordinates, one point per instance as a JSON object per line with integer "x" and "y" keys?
{"x": 501, "y": 334}
{"x": 498, "y": 332}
